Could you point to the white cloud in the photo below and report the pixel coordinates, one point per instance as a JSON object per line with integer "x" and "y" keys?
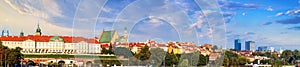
{"x": 53, "y": 9}
{"x": 210, "y": 32}
{"x": 28, "y": 23}
{"x": 244, "y": 14}
{"x": 43, "y": 8}
{"x": 153, "y": 19}
{"x": 293, "y": 12}
{"x": 205, "y": 12}
{"x": 297, "y": 11}
{"x": 279, "y": 14}
{"x": 288, "y": 12}
{"x": 270, "y": 8}
{"x": 106, "y": 9}
{"x": 198, "y": 23}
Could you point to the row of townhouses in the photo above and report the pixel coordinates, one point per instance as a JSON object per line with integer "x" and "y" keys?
{"x": 45, "y": 44}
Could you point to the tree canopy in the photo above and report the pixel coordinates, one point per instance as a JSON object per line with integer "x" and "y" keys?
{"x": 11, "y": 56}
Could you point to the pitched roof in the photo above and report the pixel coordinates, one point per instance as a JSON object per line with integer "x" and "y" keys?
{"x": 106, "y": 36}
{"x": 65, "y": 39}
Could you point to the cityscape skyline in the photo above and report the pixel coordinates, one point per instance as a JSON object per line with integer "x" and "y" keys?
{"x": 265, "y": 22}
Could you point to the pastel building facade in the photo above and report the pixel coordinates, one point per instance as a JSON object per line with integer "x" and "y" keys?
{"x": 45, "y": 44}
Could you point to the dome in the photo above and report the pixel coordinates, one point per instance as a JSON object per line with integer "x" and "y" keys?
{"x": 56, "y": 38}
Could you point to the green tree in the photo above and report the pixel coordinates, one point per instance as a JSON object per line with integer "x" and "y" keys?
{"x": 171, "y": 59}
{"x": 226, "y": 61}
{"x": 144, "y": 54}
{"x": 15, "y": 56}
{"x": 274, "y": 56}
{"x": 203, "y": 60}
{"x": 267, "y": 61}
{"x": 110, "y": 49}
{"x": 234, "y": 61}
{"x": 214, "y": 47}
{"x": 242, "y": 60}
{"x": 296, "y": 54}
{"x": 104, "y": 50}
{"x": 286, "y": 56}
{"x": 231, "y": 58}
{"x": 11, "y": 56}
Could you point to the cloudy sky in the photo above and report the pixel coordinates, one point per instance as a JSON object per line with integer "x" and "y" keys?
{"x": 272, "y": 23}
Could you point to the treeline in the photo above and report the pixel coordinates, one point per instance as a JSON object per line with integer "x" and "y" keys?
{"x": 10, "y": 57}
{"x": 233, "y": 59}
{"x": 155, "y": 57}
{"x": 288, "y": 57}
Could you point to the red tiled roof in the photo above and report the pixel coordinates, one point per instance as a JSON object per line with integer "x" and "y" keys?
{"x": 105, "y": 45}
{"x": 162, "y": 45}
{"x": 13, "y": 38}
{"x": 67, "y": 39}
{"x": 137, "y": 44}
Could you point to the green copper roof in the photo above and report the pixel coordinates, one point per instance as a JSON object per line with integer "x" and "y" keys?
{"x": 121, "y": 39}
{"x": 56, "y": 38}
{"x": 106, "y": 36}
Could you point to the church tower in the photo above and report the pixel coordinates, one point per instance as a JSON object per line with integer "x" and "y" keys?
{"x": 125, "y": 34}
{"x": 38, "y": 31}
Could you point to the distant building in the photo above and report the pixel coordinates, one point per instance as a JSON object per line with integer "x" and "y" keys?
{"x": 112, "y": 36}
{"x": 237, "y": 44}
{"x": 249, "y": 45}
{"x": 4, "y": 33}
{"x": 280, "y": 50}
{"x": 45, "y": 44}
{"x": 272, "y": 49}
{"x": 263, "y": 48}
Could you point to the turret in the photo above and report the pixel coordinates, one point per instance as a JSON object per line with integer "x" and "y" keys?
{"x": 38, "y": 31}
{"x": 21, "y": 33}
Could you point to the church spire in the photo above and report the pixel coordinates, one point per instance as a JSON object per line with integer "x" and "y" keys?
{"x": 38, "y": 30}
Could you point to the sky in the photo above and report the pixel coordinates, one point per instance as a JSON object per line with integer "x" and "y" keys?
{"x": 273, "y": 23}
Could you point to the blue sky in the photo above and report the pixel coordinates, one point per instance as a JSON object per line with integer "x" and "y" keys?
{"x": 272, "y": 23}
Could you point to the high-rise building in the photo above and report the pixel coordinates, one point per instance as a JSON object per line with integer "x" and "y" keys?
{"x": 263, "y": 48}
{"x": 237, "y": 44}
{"x": 272, "y": 49}
{"x": 5, "y": 33}
{"x": 249, "y": 45}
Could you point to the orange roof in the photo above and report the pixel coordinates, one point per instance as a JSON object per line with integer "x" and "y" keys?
{"x": 66, "y": 39}
{"x": 162, "y": 45}
{"x": 105, "y": 45}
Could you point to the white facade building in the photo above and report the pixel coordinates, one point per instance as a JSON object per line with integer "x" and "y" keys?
{"x": 52, "y": 44}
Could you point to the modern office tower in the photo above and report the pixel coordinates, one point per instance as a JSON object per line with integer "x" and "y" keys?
{"x": 249, "y": 45}
{"x": 237, "y": 44}
{"x": 272, "y": 49}
{"x": 263, "y": 48}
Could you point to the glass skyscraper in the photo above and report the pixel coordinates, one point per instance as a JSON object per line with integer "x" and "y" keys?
{"x": 263, "y": 48}
{"x": 249, "y": 45}
{"x": 237, "y": 44}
